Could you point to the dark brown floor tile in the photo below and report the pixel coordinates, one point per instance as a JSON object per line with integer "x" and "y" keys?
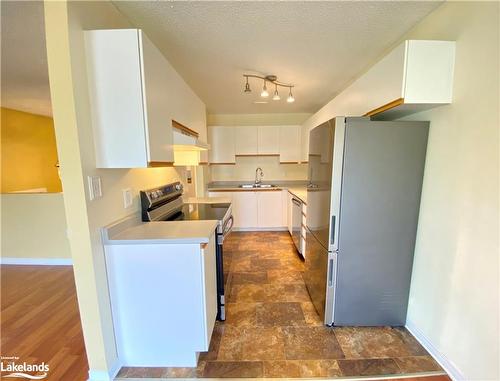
{"x": 311, "y": 343}
{"x": 241, "y": 314}
{"x": 280, "y": 369}
{"x": 416, "y": 364}
{"x": 296, "y": 293}
{"x": 249, "y": 278}
{"x": 213, "y": 349}
{"x": 187, "y": 372}
{"x": 410, "y": 342}
{"x": 248, "y": 293}
{"x": 142, "y": 372}
{"x": 252, "y": 344}
{"x": 280, "y": 314}
{"x": 284, "y": 276}
{"x": 265, "y": 264}
{"x": 368, "y": 367}
{"x": 233, "y": 369}
{"x": 319, "y": 368}
{"x": 373, "y": 342}
{"x": 310, "y": 315}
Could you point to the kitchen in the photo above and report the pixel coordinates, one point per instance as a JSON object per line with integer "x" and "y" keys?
{"x": 251, "y": 213}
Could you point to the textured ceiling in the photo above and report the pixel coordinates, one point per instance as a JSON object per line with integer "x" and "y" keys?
{"x": 25, "y": 78}
{"x": 319, "y": 46}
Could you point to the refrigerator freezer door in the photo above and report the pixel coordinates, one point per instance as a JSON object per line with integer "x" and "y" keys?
{"x": 325, "y": 150}
{"x": 316, "y": 273}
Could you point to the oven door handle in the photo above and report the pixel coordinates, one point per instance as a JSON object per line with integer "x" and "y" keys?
{"x": 225, "y": 229}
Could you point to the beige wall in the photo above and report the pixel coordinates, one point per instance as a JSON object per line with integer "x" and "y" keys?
{"x": 244, "y": 170}
{"x": 65, "y": 23}
{"x": 454, "y": 297}
{"x": 29, "y": 153}
{"x": 34, "y": 227}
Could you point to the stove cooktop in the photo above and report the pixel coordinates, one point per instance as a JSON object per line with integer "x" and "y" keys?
{"x": 199, "y": 212}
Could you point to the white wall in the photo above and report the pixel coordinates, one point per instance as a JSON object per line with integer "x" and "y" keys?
{"x": 244, "y": 170}
{"x": 454, "y": 298}
{"x": 34, "y": 227}
{"x": 65, "y": 23}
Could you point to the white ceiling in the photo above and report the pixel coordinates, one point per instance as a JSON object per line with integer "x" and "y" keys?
{"x": 319, "y": 46}
{"x": 25, "y": 78}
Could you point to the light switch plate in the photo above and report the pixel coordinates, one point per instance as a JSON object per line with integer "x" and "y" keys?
{"x": 127, "y": 197}
{"x": 95, "y": 189}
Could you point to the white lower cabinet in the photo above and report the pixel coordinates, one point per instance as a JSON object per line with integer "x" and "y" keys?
{"x": 269, "y": 207}
{"x": 245, "y": 209}
{"x": 163, "y": 300}
{"x": 256, "y": 209}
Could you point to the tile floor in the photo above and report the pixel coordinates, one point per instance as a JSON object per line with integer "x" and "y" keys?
{"x": 273, "y": 330}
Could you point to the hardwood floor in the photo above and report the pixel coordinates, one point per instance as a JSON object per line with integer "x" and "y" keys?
{"x": 40, "y": 321}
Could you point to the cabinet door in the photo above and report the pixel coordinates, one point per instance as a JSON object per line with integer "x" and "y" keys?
{"x": 304, "y": 145}
{"x": 157, "y": 117}
{"x": 289, "y": 140}
{"x": 221, "y": 140}
{"x": 269, "y": 140}
{"x": 210, "y": 289}
{"x": 245, "y": 140}
{"x": 269, "y": 207}
{"x": 245, "y": 209}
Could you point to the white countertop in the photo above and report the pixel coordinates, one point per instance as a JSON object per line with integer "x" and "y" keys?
{"x": 132, "y": 231}
{"x": 164, "y": 232}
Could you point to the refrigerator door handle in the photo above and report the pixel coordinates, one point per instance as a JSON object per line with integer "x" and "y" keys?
{"x": 330, "y": 273}
{"x": 332, "y": 227}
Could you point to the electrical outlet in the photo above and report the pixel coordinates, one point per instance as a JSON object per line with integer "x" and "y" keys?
{"x": 127, "y": 198}
{"x": 95, "y": 189}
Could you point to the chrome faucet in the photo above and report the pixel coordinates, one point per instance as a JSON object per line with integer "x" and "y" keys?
{"x": 259, "y": 174}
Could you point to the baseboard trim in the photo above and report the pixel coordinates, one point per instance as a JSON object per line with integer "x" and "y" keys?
{"x": 450, "y": 368}
{"x": 280, "y": 229}
{"x": 37, "y": 261}
{"x": 102, "y": 375}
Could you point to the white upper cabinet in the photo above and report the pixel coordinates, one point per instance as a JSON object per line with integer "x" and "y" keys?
{"x": 269, "y": 140}
{"x": 222, "y": 144}
{"x": 246, "y": 140}
{"x": 304, "y": 144}
{"x": 289, "y": 139}
{"x": 135, "y": 95}
{"x": 415, "y": 76}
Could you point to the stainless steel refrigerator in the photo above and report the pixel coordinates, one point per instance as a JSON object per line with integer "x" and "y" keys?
{"x": 363, "y": 198}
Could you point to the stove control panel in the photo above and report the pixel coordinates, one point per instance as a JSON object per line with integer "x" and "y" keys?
{"x": 152, "y": 197}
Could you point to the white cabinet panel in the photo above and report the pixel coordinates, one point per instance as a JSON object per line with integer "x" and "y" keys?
{"x": 246, "y": 140}
{"x": 289, "y": 140}
{"x": 209, "y": 290}
{"x": 269, "y": 207}
{"x": 289, "y": 206}
{"x": 155, "y": 86}
{"x": 304, "y": 144}
{"x": 221, "y": 140}
{"x": 245, "y": 209}
{"x": 269, "y": 140}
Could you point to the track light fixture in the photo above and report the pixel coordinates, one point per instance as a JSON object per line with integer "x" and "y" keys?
{"x": 274, "y": 81}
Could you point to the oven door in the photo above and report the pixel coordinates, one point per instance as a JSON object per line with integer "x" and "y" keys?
{"x": 221, "y": 263}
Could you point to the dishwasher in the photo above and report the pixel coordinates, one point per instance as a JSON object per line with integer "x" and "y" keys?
{"x": 297, "y": 223}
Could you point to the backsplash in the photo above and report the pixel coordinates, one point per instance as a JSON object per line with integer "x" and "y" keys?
{"x": 245, "y": 166}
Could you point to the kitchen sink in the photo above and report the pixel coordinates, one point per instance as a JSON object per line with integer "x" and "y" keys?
{"x": 257, "y": 186}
